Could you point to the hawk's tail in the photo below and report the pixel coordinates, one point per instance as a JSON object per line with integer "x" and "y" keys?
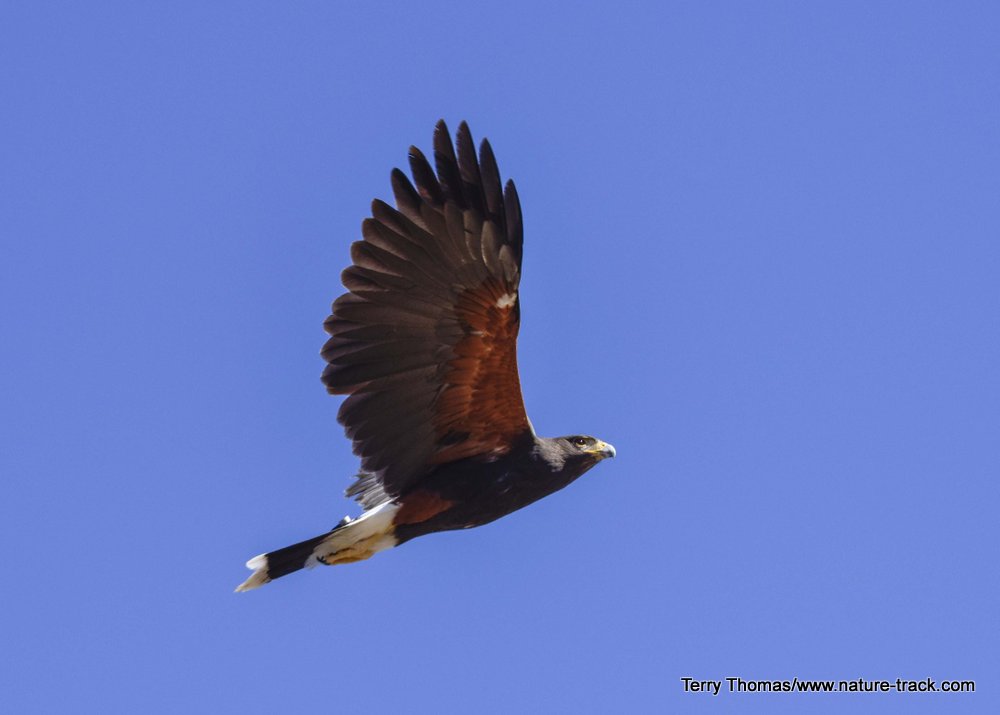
{"x": 349, "y": 541}
{"x": 276, "y": 564}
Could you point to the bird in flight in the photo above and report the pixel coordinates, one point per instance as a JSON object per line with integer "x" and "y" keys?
{"x": 423, "y": 344}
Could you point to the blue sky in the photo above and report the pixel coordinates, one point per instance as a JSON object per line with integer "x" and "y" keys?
{"x": 762, "y": 255}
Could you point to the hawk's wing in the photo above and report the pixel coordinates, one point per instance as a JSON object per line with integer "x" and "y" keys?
{"x": 424, "y": 341}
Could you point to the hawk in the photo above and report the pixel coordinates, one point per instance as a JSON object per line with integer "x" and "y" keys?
{"x": 424, "y": 346}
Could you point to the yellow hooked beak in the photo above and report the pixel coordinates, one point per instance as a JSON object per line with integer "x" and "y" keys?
{"x": 602, "y": 450}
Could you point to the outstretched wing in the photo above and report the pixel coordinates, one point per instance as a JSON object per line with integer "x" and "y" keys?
{"x": 424, "y": 341}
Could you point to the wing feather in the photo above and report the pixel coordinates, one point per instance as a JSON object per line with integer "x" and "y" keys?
{"x": 424, "y": 342}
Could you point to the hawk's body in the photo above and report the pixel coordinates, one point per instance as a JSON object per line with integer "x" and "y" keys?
{"x": 424, "y": 346}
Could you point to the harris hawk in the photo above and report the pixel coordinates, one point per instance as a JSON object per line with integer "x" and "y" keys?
{"x": 423, "y": 344}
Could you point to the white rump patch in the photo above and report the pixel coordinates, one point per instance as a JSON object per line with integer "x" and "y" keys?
{"x": 507, "y": 300}
{"x": 360, "y": 539}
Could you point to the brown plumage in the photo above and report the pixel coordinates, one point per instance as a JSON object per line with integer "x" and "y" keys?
{"x": 423, "y": 345}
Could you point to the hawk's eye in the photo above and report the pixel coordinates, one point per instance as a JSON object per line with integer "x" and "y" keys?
{"x": 580, "y": 441}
